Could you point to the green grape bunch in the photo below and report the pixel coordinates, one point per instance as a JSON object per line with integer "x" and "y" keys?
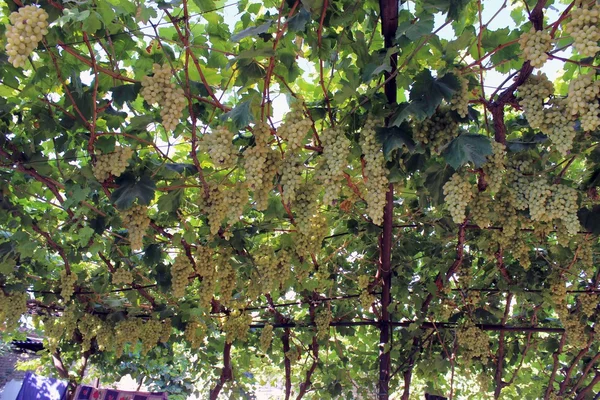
{"x": 112, "y": 164}
{"x": 27, "y": 28}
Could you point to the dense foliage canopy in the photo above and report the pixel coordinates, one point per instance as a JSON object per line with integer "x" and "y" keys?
{"x": 351, "y": 199}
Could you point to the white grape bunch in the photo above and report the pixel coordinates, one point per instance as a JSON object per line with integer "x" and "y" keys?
{"x": 495, "y": 167}
{"x": 12, "y": 306}
{"x": 460, "y": 100}
{"x": 458, "y": 191}
{"x": 67, "y": 284}
{"x": 582, "y": 100}
{"x": 26, "y": 29}
{"x": 266, "y": 337}
{"x": 218, "y": 144}
{"x": 122, "y": 276}
{"x": 535, "y": 46}
{"x": 136, "y": 221}
{"x": 295, "y": 127}
{"x": 158, "y": 89}
{"x": 438, "y": 130}
{"x": 375, "y": 173}
{"x": 336, "y": 148}
{"x": 559, "y": 125}
{"x": 181, "y": 269}
{"x": 583, "y": 28}
{"x": 291, "y": 176}
{"x": 532, "y": 94}
{"x": 114, "y": 163}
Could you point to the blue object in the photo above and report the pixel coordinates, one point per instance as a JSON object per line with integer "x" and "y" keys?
{"x": 42, "y": 388}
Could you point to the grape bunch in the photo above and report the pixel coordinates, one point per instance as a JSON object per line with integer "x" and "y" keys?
{"x": 588, "y": 303}
{"x": 583, "y": 28}
{"x": 309, "y": 242}
{"x": 195, "y": 332}
{"x": 114, "y": 163}
{"x": 88, "y": 325}
{"x": 11, "y": 308}
{"x": 582, "y": 100}
{"x": 126, "y": 331}
{"x": 473, "y": 342}
{"x": 181, "y": 269}
{"x": 366, "y": 298}
{"x": 266, "y": 337}
{"x": 159, "y": 89}
{"x": 535, "y": 46}
{"x": 26, "y": 29}
{"x": 255, "y": 158}
{"x": 291, "y": 176}
{"x": 268, "y": 267}
{"x": 295, "y": 127}
{"x": 67, "y": 284}
{"x": 136, "y": 221}
{"x": 532, "y": 94}
{"x": 122, "y": 276}
{"x": 225, "y": 276}
{"x": 458, "y": 191}
{"x": 438, "y": 130}
{"x": 151, "y": 333}
{"x": 219, "y": 146}
{"x": 460, "y": 100}
{"x": 554, "y": 202}
{"x": 336, "y": 148}
{"x": 306, "y": 206}
{"x": 261, "y": 193}
{"x": 236, "y": 326}
{"x": 322, "y": 321}
{"x": 518, "y": 183}
{"x": 375, "y": 173}
{"x": 559, "y": 125}
{"x": 495, "y": 167}
{"x": 105, "y": 336}
{"x": 481, "y": 209}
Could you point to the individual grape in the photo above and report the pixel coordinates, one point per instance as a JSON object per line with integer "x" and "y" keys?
{"x": 195, "y": 332}
{"x": 114, "y": 163}
{"x": 458, "y": 192}
{"x": 295, "y": 127}
{"x": 438, "y": 130}
{"x": 583, "y": 28}
{"x": 236, "y": 326}
{"x": 136, "y": 221}
{"x": 322, "y": 321}
{"x": 159, "y": 89}
{"x": 582, "y": 100}
{"x": 27, "y": 28}
{"x": 67, "y": 284}
{"x": 12, "y": 306}
{"x": 336, "y": 148}
{"x": 473, "y": 342}
{"x": 535, "y": 46}
{"x": 181, "y": 269}
{"x": 532, "y": 94}
{"x": 460, "y": 100}
{"x": 266, "y": 337}
{"x": 219, "y": 146}
{"x": 121, "y": 276}
{"x": 588, "y": 303}
{"x": 375, "y": 173}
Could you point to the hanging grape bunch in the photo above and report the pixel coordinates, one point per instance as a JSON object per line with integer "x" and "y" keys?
{"x": 583, "y": 28}
{"x": 136, "y": 220}
{"x": 114, "y": 163}
{"x": 27, "y": 28}
{"x": 535, "y": 46}
{"x": 159, "y": 89}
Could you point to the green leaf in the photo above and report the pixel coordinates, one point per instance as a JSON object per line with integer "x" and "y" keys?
{"x": 436, "y": 178}
{"x": 241, "y": 115}
{"x": 590, "y": 219}
{"x": 125, "y": 93}
{"x": 468, "y": 148}
{"x": 251, "y": 32}
{"x": 428, "y": 92}
{"x": 394, "y": 138}
{"x": 414, "y": 30}
{"x": 131, "y": 189}
{"x": 298, "y": 22}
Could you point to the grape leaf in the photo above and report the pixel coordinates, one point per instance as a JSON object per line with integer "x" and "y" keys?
{"x": 131, "y": 189}
{"x": 468, "y": 148}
